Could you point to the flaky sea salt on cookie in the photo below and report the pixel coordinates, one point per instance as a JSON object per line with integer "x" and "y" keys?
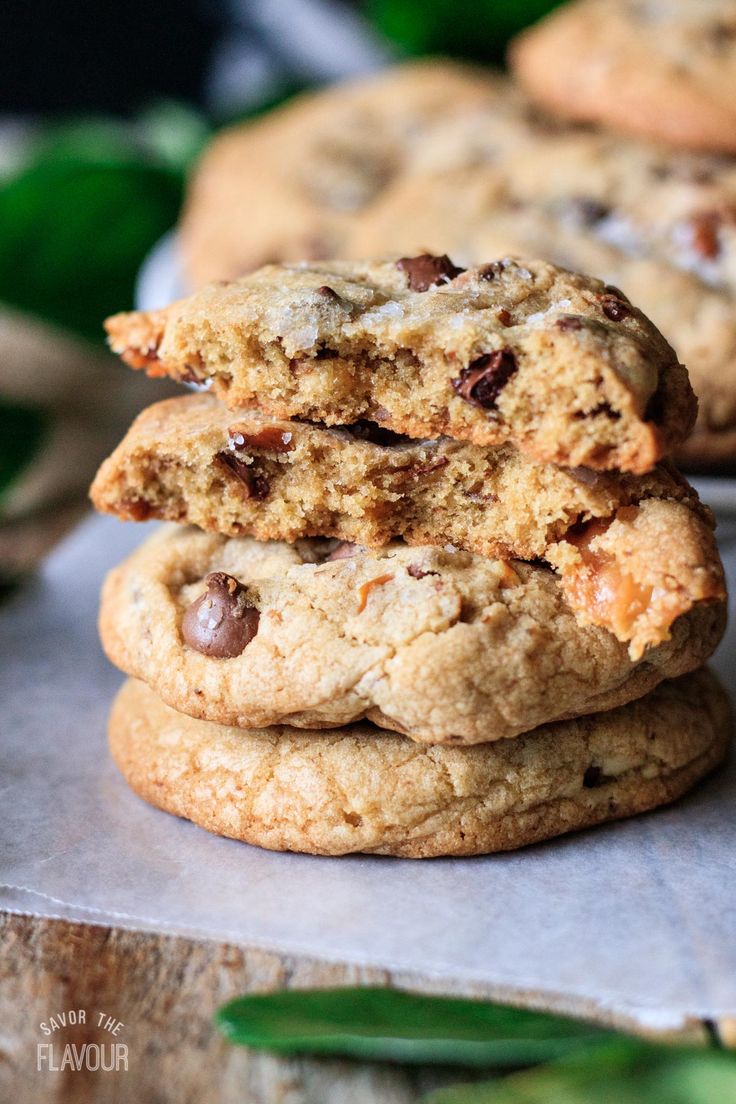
{"x": 559, "y": 364}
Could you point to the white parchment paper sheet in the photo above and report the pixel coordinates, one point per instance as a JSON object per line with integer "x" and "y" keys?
{"x": 637, "y": 917}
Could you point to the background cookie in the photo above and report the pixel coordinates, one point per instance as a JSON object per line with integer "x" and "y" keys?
{"x": 665, "y": 70}
{"x": 286, "y": 186}
{"x": 439, "y": 644}
{"x": 361, "y": 789}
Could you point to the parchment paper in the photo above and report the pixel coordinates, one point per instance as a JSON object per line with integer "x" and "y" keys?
{"x": 636, "y": 919}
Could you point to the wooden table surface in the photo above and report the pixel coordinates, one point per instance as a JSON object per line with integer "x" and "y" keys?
{"x": 165, "y": 990}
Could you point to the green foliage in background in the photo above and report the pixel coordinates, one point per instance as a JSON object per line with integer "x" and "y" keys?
{"x": 535, "y": 1058}
{"x": 478, "y": 29}
{"x": 22, "y": 432}
{"x": 80, "y": 216}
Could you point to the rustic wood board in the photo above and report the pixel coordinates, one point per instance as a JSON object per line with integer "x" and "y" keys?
{"x": 165, "y": 990}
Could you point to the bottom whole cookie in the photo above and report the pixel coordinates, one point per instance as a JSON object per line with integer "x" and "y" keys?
{"x": 361, "y": 789}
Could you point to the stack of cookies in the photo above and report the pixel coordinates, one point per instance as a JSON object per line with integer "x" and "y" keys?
{"x": 433, "y": 587}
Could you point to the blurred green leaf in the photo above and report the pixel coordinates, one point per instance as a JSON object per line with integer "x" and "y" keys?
{"x": 623, "y": 1072}
{"x": 22, "y": 433}
{"x": 73, "y": 234}
{"x": 167, "y": 134}
{"x": 391, "y": 1025}
{"x": 478, "y": 29}
{"x": 174, "y": 132}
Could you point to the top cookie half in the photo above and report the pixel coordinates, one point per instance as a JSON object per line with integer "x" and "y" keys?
{"x": 559, "y": 364}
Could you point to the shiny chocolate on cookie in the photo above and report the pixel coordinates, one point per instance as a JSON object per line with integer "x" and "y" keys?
{"x": 220, "y": 623}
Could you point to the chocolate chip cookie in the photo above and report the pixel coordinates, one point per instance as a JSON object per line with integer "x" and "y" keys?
{"x": 358, "y": 789}
{"x": 559, "y": 364}
{"x": 664, "y": 69}
{"x": 287, "y": 185}
{"x": 193, "y": 461}
{"x": 440, "y": 644}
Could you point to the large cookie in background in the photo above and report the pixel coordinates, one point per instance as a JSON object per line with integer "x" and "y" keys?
{"x": 660, "y": 69}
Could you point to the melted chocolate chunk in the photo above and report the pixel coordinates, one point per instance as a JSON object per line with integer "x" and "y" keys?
{"x": 365, "y": 430}
{"x": 271, "y": 438}
{"x": 255, "y": 485}
{"x": 655, "y": 408}
{"x": 569, "y": 322}
{"x": 585, "y": 211}
{"x": 491, "y": 271}
{"x": 221, "y": 623}
{"x": 427, "y": 271}
{"x": 328, "y": 293}
{"x": 704, "y": 234}
{"x": 483, "y": 381}
{"x": 614, "y": 308}
{"x": 594, "y": 777}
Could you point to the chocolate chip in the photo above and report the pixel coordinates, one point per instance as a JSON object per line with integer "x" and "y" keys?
{"x": 491, "y": 271}
{"x": 721, "y": 34}
{"x": 594, "y": 777}
{"x": 256, "y": 486}
{"x": 483, "y": 381}
{"x": 432, "y": 466}
{"x": 611, "y": 289}
{"x": 427, "y": 271}
{"x": 329, "y": 293}
{"x": 365, "y": 430}
{"x": 271, "y": 438}
{"x": 505, "y": 317}
{"x": 614, "y": 308}
{"x": 323, "y": 353}
{"x": 585, "y": 211}
{"x": 221, "y": 622}
{"x": 569, "y": 322}
{"x": 418, "y": 572}
{"x": 655, "y": 408}
{"x": 704, "y": 234}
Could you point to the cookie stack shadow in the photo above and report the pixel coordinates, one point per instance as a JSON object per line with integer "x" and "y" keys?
{"x": 432, "y": 586}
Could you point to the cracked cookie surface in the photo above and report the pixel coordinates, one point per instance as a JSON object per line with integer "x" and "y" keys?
{"x": 442, "y": 645}
{"x": 358, "y": 789}
{"x": 559, "y": 364}
{"x": 663, "y": 69}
